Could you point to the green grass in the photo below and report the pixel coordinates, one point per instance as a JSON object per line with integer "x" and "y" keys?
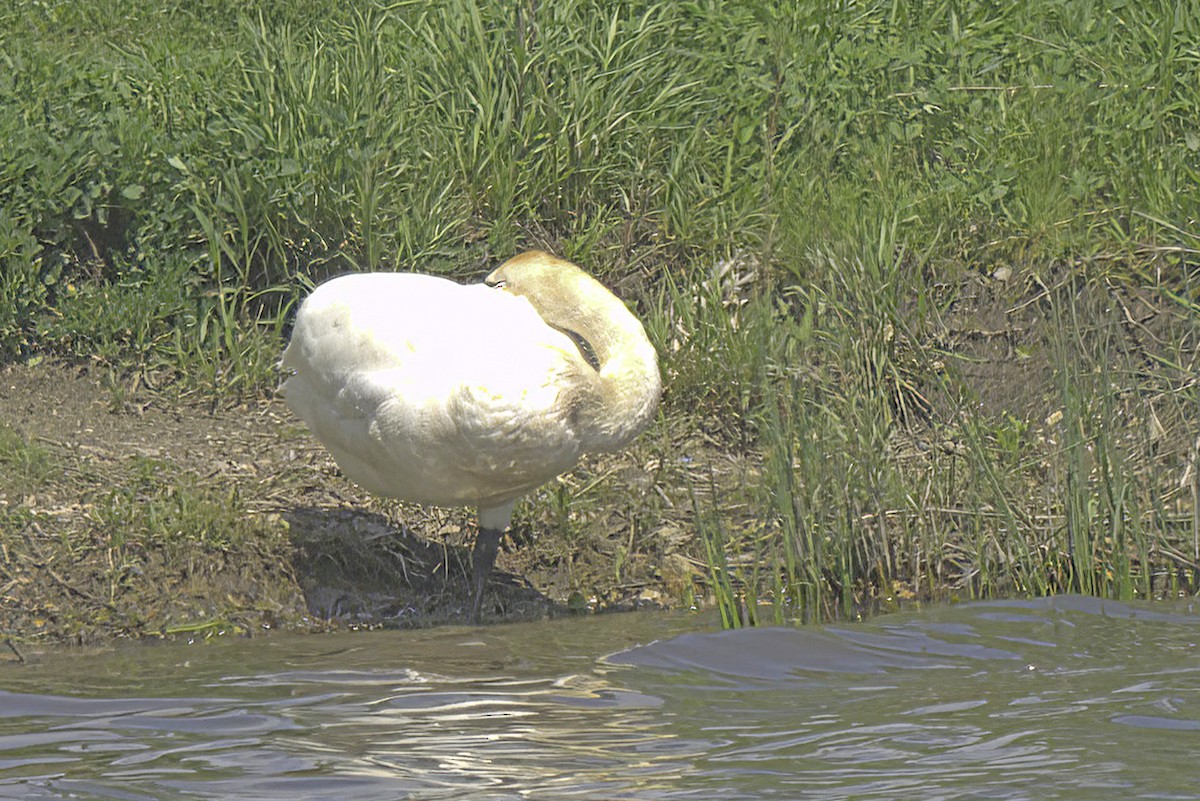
{"x": 146, "y": 551}
{"x": 800, "y": 198}
{"x": 26, "y": 464}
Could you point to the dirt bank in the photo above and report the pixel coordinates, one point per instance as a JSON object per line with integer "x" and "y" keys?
{"x": 127, "y": 513}
{"x": 148, "y": 517}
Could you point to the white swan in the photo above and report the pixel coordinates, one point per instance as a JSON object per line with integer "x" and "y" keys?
{"x": 453, "y": 395}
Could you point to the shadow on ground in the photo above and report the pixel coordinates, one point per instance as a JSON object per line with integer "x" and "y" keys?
{"x": 359, "y": 568}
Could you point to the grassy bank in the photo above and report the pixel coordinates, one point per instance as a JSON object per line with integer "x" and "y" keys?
{"x": 925, "y": 280}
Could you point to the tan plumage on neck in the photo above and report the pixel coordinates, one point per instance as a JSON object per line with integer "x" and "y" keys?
{"x": 617, "y": 385}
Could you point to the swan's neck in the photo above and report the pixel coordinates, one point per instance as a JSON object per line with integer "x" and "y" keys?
{"x": 628, "y": 385}
{"x": 622, "y": 385}
{"x": 615, "y": 385}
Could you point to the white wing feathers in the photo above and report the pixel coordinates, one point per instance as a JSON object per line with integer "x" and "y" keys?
{"x": 433, "y": 391}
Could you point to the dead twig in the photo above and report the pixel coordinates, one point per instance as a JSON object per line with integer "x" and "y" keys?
{"x": 12, "y": 646}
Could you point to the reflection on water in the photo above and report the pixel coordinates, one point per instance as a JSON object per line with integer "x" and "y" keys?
{"x": 1064, "y": 698}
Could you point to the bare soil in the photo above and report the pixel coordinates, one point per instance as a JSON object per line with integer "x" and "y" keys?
{"x": 316, "y": 551}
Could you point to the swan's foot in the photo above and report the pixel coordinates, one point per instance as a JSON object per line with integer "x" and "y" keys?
{"x": 487, "y": 544}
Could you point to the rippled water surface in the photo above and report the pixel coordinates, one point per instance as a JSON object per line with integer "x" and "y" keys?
{"x": 1066, "y": 698}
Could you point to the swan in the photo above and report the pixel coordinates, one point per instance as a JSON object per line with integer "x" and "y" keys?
{"x": 447, "y": 394}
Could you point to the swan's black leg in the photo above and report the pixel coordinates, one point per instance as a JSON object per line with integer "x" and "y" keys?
{"x": 487, "y": 544}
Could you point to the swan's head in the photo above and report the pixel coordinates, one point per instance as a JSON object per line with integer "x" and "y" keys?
{"x": 567, "y": 298}
{"x": 554, "y": 286}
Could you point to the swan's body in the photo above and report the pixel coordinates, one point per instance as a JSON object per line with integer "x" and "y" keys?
{"x": 435, "y": 392}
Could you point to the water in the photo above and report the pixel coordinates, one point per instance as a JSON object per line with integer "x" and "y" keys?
{"x": 1067, "y": 698}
